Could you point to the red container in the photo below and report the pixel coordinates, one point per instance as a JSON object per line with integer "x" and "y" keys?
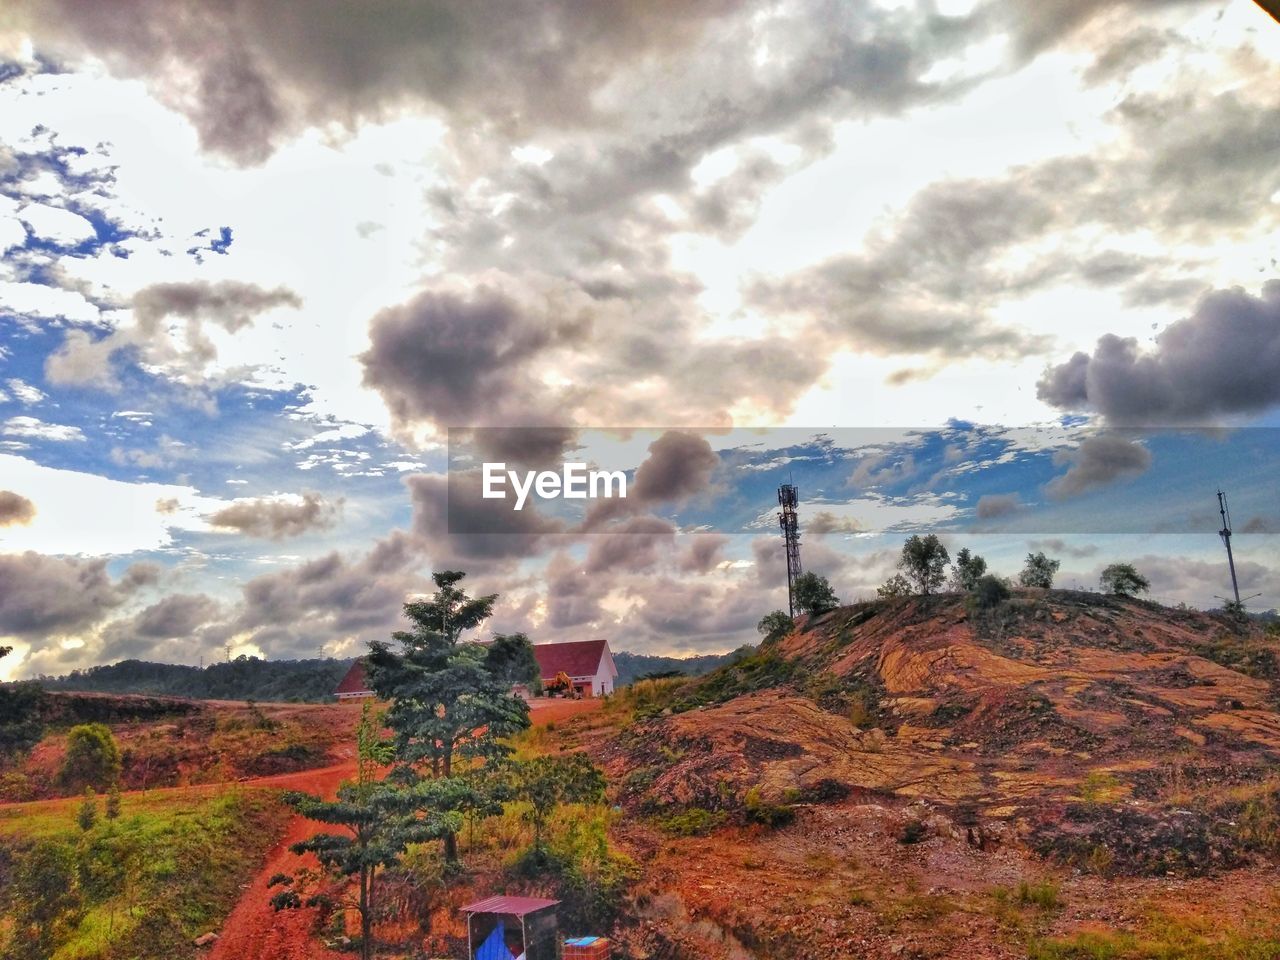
{"x": 586, "y": 948}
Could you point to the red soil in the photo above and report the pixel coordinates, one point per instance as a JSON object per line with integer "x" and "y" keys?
{"x": 254, "y": 930}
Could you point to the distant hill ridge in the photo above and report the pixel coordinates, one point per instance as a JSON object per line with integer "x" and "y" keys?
{"x": 312, "y": 681}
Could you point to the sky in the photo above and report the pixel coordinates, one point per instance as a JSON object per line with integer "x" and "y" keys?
{"x": 276, "y": 276}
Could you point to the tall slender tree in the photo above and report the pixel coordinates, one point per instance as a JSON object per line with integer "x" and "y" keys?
{"x": 449, "y": 699}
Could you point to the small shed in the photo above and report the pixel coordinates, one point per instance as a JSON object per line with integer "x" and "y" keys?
{"x": 512, "y": 928}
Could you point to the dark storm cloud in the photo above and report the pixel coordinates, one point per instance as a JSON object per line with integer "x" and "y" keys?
{"x": 1055, "y": 546}
{"x": 278, "y": 519}
{"x": 994, "y": 505}
{"x": 1219, "y": 362}
{"x": 1097, "y": 462}
{"x": 42, "y": 596}
{"x": 15, "y": 509}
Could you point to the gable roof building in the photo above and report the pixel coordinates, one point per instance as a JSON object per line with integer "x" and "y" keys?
{"x": 588, "y": 664}
{"x": 354, "y": 685}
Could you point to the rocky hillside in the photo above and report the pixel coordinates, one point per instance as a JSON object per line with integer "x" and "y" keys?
{"x": 925, "y": 748}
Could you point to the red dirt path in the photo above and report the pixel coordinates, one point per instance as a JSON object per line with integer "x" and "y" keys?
{"x": 255, "y": 931}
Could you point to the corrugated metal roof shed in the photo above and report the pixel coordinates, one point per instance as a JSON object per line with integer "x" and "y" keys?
{"x": 513, "y": 906}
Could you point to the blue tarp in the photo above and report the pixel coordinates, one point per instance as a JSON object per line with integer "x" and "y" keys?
{"x": 495, "y": 945}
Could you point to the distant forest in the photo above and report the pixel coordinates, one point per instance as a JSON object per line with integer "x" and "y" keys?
{"x": 296, "y": 681}
{"x": 244, "y": 678}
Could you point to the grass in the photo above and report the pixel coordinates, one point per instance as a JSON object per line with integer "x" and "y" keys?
{"x": 168, "y": 869}
{"x": 1163, "y": 936}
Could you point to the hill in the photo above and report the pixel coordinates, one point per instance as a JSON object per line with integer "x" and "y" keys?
{"x": 633, "y": 666}
{"x": 922, "y": 778}
{"x": 244, "y": 678}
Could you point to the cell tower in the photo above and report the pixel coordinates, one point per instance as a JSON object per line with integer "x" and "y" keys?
{"x": 790, "y": 525}
{"x": 1225, "y": 534}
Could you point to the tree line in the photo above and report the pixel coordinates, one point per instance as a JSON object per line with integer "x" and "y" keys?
{"x": 925, "y": 567}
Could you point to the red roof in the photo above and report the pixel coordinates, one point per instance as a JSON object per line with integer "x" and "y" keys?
{"x": 354, "y": 681}
{"x": 515, "y": 906}
{"x": 577, "y": 658}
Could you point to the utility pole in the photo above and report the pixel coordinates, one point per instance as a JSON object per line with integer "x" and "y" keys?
{"x": 1225, "y": 534}
{"x": 790, "y": 525}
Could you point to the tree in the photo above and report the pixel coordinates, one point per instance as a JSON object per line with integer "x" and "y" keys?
{"x": 924, "y": 561}
{"x": 378, "y": 821}
{"x": 93, "y": 757}
{"x": 113, "y": 802}
{"x": 21, "y": 706}
{"x": 775, "y": 625}
{"x": 1039, "y": 571}
{"x": 896, "y": 586}
{"x": 813, "y": 594}
{"x": 1124, "y": 580}
{"x": 510, "y": 657}
{"x": 447, "y": 701}
{"x": 548, "y": 781}
{"x": 969, "y": 568}
{"x": 990, "y": 591}
{"x": 87, "y": 815}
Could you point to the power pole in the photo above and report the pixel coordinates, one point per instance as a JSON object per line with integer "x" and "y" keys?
{"x": 790, "y": 525}
{"x": 1225, "y": 534}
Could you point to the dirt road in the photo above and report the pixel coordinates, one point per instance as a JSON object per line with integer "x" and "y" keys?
{"x": 255, "y": 931}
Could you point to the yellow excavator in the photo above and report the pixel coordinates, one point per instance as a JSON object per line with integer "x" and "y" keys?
{"x": 562, "y": 686}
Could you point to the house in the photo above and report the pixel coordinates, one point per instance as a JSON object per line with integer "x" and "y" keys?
{"x": 588, "y": 664}
{"x": 354, "y": 686}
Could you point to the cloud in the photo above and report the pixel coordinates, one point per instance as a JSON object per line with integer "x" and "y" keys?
{"x": 449, "y": 360}
{"x": 1220, "y": 361}
{"x": 679, "y": 466}
{"x": 279, "y": 518}
{"x": 1059, "y": 547}
{"x": 15, "y": 509}
{"x": 994, "y": 505}
{"x": 176, "y": 617}
{"x": 34, "y": 429}
{"x": 1097, "y": 462}
{"x": 824, "y": 522}
{"x": 636, "y": 544}
{"x": 249, "y": 77}
{"x": 705, "y": 552}
{"x": 186, "y": 354}
{"x": 43, "y": 596}
{"x": 458, "y": 524}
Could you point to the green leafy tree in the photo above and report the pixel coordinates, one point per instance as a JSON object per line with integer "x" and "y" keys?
{"x": 813, "y": 594}
{"x": 775, "y": 625}
{"x": 924, "y": 561}
{"x": 113, "y": 802}
{"x": 20, "y": 708}
{"x": 87, "y": 815}
{"x": 1123, "y": 579}
{"x": 1039, "y": 571}
{"x": 896, "y": 586}
{"x": 449, "y": 699}
{"x": 510, "y": 657}
{"x": 545, "y": 782}
{"x": 990, "y": 591}
{"x": 93, "y": 757}
{"x": 967, "y": 570}
{"x": 377, "y": 820}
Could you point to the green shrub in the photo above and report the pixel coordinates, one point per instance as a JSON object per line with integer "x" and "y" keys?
{"x": 693, "y": 822}
{"x": 988, "y": 593}
{"x": 93, "y": 757}
{"x": 759, "y": 810}
{"x": 1042, "y": 894}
